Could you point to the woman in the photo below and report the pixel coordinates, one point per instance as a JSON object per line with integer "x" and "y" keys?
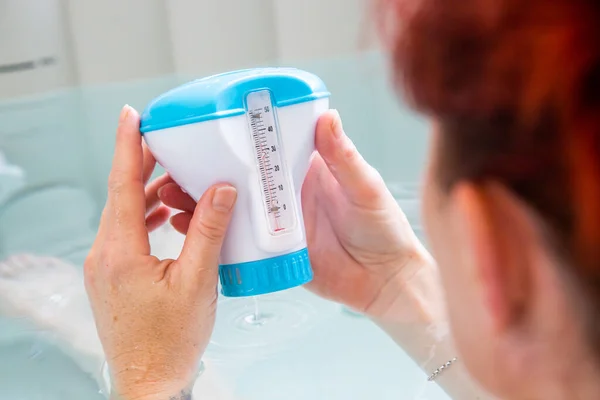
{"x": 511, "y": 209}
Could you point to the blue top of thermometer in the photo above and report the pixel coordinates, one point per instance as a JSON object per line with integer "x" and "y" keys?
{"x": 224, "y": 95}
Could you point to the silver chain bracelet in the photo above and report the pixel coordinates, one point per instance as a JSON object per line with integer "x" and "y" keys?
{"x": 441, "y": 369}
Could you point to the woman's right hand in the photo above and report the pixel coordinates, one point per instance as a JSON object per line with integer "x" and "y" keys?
{"x": 365, "y": 255}
{"x": 362, "y": 248}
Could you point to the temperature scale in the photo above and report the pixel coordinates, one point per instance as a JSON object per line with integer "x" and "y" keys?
{"x": 278, "y": 198}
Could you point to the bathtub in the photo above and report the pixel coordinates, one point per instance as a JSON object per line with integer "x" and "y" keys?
{"x": 336, "y": 355}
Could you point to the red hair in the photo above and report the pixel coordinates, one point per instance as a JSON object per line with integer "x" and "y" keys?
{"x": 515, "y": 87}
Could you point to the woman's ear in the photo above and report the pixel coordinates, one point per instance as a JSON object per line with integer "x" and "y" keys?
{"x": 499, "y": 239}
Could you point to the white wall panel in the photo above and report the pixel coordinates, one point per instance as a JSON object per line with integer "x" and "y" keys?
{"x": 215, "y": 36}
{"x": 117, "y": 40}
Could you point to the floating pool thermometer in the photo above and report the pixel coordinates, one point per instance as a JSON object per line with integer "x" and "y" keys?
{"x": 255, "y": 130}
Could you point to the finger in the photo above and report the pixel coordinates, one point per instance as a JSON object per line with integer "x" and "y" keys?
{"x": 311, "y": 188}
{"x": 126, "y": 204}
{"x": 152, "y": 189}
{"x": 102, "y": 228}
{"x": 172, "y": 196}
{"x": 157, "y": 218}
{"x": 200, "y": 254}
{"x": 149, "y": 162}
{"x": 181, "y": 222}
{"x": 360, "y": 181}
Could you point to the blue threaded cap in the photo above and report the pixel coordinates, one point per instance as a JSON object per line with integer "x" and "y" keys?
{"x": 266, "y": 276}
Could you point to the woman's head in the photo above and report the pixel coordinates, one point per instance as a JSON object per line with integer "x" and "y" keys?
{"x": 512, "y": 204}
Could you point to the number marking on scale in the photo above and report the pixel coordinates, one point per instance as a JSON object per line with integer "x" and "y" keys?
{"x": 278, "y": 199}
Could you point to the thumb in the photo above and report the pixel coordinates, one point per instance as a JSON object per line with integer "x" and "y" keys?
{"x": 206, "y": 232}
{"x": 360, "y": 182}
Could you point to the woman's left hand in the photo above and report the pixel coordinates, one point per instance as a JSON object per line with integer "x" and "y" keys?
{"x": 154, "y": 317}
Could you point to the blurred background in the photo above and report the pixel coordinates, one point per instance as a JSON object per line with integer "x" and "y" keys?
{"x": 68, "y": 66}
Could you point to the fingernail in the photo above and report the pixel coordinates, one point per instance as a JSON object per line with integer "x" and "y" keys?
{"x": 336, "y": 125}
{"x": 224, "y": 198}
{"x": 160, "y": 191}
{"x": 125, "y": 113}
